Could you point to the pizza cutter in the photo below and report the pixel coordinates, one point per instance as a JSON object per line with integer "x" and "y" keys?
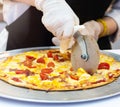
{"x": 85, "y": 53}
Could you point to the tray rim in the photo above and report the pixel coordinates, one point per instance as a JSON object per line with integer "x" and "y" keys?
{"x": 44, "y": 101}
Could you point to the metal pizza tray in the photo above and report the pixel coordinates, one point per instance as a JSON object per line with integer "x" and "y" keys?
{"x": 29, "y": 95}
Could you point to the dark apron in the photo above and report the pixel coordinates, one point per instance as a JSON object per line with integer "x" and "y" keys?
{"x": 28, "y": 31}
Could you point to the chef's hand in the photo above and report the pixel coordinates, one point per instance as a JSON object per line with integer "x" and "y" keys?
{"x": 58, "y": 18}
{"x": 90, "y": 28}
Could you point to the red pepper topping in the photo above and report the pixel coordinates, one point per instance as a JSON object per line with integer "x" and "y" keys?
{"x": 55, "y": 57}
{"x": 51, "y": 64}
{"x": 75, "y": 77}
{"x": 47, "y": 70}
{"x": 99, "y": 81}
{"x": 43, "y": 76}
{"x": 26, "y": 72}
{"x": 110, "y": 75}
{"x": 49, "y": 54}
{"x": 104, "y": 65}
{"x": 44, "y": 73}
{"x": 30, "y": 57}
{"x": 63, "y": 72}
{"x": 28, "y": 64}
{"x": 20, "y": 71}
{"x": 71, "y": 69}
{"x": 16, "y": 79}
{"x": 28, "y": 61}
{"x": 41, "y": 60}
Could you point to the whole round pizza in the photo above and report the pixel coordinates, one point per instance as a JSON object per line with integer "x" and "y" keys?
{"x": 51, "y": 70}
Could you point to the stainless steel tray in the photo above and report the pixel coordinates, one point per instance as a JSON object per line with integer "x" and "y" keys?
{"x": 28, "y": 95}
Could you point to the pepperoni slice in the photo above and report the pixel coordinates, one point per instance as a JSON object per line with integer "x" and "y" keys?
{"x": 20, "y": 71}
{"x": 30, "y": 57}
{"x": 44, "y": 73}
{"x": 26, "y": 72}
{"x": 46, "y": 70}
{"x": 41, "y": 60}
{"x": 43, "y": 76}
{"x": 104, "y": 65}
{"x": 51, "y": 64}
{"x": 55, "y": 57}
{"x": 28, "y": 61}
{"x": 49, "y": 54}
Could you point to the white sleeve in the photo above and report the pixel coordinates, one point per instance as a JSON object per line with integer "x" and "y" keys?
{"x": 115, "y": 14}
{"x": 1, "y": 1}
{"x": 12, "y": 10}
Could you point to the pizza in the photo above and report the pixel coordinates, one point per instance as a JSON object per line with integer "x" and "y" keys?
{"x": 51, "y": 70}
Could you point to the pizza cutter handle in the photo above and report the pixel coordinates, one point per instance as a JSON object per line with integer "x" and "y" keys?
{"x": 82, "y": 43}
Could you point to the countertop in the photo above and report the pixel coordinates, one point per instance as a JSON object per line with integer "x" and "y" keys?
{"x": 106, "y": 102}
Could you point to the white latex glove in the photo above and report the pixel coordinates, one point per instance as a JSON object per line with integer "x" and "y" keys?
{"x": 56, "y": 40}
{"x": 3, "y": 39}
{"x": 59, "y": 19}
{"x": 90, "y": 28}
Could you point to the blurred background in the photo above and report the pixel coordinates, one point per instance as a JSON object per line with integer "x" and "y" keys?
{"x": 2, "y": 23}
{"x": 115, "y": 45}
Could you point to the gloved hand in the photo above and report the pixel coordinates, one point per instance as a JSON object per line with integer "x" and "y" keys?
{"x": 90, "y": 28}
{"x": 58, "y": 18}
{"x": 56, "y": 41}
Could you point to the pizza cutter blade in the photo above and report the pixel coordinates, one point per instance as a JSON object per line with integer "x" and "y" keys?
{"x": 85, "y": 53}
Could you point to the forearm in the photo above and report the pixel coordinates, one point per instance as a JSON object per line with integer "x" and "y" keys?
{"x": 112, "y": 20}
{"x": 111, "y": 26}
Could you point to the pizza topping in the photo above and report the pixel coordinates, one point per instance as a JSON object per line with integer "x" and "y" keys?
{"x": 26, "y": 72}
{"x": 75, "y": 77}
{"x": 44, "y": 73}
{"x": 63, "y": 75}
{"x": 110, "y": 75}
{"x": 56, "y": 58}
{"x": 118, "y": 70}
{"x": 16, "y": 79}
{"x": 98, "y": 81}
{"x": 47, "y": 70}
{"x": 53, "y": 55}
{"x": 28, "y": 64}
{"x": 28, "y": 61}
{"x": 49, "y": 54}
{"x": 71, "y": 69}
{"x": 41, "y": 60}
{"x": 104, "y": 65}
{"x": 20, "y": 71}
{"x": 43, "y": 76}
{"x": 66, "y": 56}
{"x": 30, "y": 58}
{"x": 51, "y": 64}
